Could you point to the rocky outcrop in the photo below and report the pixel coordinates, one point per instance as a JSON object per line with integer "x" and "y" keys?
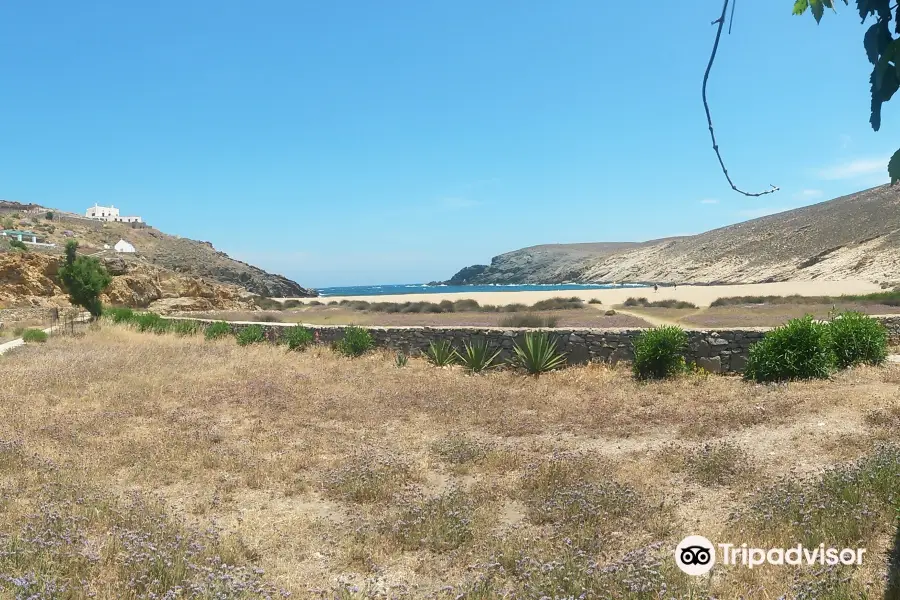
{"x": 31, "y": 279}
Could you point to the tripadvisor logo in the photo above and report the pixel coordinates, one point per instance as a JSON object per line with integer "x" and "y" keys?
{"x": 696, "y": 555}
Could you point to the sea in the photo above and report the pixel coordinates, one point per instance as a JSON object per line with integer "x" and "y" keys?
{"x": 425, "y": 288}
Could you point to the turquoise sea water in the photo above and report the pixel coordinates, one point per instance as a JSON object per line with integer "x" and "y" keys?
{"x": 421, "y": 288}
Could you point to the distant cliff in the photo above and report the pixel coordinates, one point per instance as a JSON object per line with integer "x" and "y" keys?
{"x": 851, "y": 237}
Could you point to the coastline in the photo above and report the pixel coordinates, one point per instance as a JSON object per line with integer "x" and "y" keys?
{"x": 700, "y": 295}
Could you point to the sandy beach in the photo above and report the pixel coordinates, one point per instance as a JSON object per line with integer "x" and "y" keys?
{"x": 701, "y": 295}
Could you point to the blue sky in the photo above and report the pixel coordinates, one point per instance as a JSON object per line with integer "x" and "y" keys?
{"x": 388, "y": 142}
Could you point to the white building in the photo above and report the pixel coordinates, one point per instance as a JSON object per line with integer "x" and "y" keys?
{"x": 109, "y": 213}
{"x": 123, "y": 246}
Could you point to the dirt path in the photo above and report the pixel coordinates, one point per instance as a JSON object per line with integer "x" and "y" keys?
{"x": 655, "y": 321}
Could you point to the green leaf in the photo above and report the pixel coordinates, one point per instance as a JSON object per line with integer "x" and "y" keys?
{"x": 894, "y": 167}
{"x": 876, "y": 40}
{"x": 889, "y": 85}
{"x": 800, "y": 6}
{"x": 863, "y": 6}
{"x": 875, "y": 117}
{"x": 818, "y": 9}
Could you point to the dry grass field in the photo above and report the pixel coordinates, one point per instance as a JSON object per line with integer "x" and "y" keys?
{"x": 143, "y": 466}
{"x": 337, "y": 315}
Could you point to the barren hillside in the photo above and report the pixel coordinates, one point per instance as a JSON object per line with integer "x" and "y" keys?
{"x": 851, "y": 237}
{"x": 181, "y": 255}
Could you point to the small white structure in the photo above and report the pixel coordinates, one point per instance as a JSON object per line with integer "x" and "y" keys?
{"x": 109, "y": 213}
{"x": 123, "y": 246}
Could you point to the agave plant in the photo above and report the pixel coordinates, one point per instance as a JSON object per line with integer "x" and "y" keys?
{"x": 440, "y": 354}
{"x": 401, "y": 360}
{"x": 538, "y": 354}
{"x": 477, "y": 356}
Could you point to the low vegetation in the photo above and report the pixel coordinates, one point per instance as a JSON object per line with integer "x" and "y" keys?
{"x": 355, "y": 342}
{"x": 350, "y": 478}
{"x": 296, "y": 337}
{"x": 251, "y": 334}
{"x": 217, "y": 330}
{"x": 890, "y": 298}
{"x": 659, "y": 352}
{"x": 441, "y": 353}
{"x": 857, "y": 339}
{"x": 537, "y": 354}
{"x": 808, "y": 349}
{"x": 478, "y": 356}
{"x": 799, "y": 349}
{"x": 466, "y": 305}
{"x": 34, "y": 335}
{"x": 643, "y": 302}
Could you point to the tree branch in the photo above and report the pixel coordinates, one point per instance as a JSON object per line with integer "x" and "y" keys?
{"x": 712, "y": 57}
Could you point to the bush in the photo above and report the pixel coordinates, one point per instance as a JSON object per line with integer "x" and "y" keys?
{"x": 297, "y": 337}
{"x": 217, "y": 330}
{"x": 17, "y": 245}
{"x": 34, "y": 335}
{"x": 440, "y": 354}
{"x": 49, "y": 215}
{"x": 184, "y": 327}
{"x": 477, "y": 356}
{"x": 151, "y": 322}
{"x": 252, "y": 334}
{"x": 356, "y": 341}
{"x": 558, "y": 303}
{"x": 529, "y": 320}
{"x": 84, "y": 279}
{"x": 799, "y": 349}
{"x": 401, "y": 360}
{"x": 857, "y": 339}
{"x": 659, "y": 352}
{"x": 538, "y": 354}
{"x": 594, "y": 301}
{"x": 119, "y": 315}
{"x": 670, "y": 303}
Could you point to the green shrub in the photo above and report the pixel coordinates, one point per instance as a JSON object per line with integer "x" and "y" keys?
{"x": 297, "y": 337}
{"x": 857, "y": 339}
{"x": 529, "y": 320}
{"x": 594, "y": 301}
{"x": 49, "y": 215}
{"x": 799, "y": 349}
{"x": 670, "y": 303}
{"x": 659, "y": 352}
{"x": 217, "y": 330}
{"x": 356, "y": 341}
{"x": 151, "y": 322}
{"x": 119, "y": 315}
{"x": 84, "y": 279}
{"x": 34, "y": 335}
{"x": 537, "y": 354}
{"x": 17, "y": 245}
{"x": 251, "y": 334}
{"x": 477, "y": 356}
{"x": 185, "y": 327}
{"x": 441, "y": 354}
{"x": 558, "y": 303}
{"x": 401, "y": 360}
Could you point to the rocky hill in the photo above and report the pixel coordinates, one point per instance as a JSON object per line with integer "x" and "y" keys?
{"x": 166, "y": 272}
{"x": 30, "y": 279}
{"x": 851, "y": 237}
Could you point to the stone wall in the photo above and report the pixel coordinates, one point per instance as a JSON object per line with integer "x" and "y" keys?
{"x": 718, "y": 351}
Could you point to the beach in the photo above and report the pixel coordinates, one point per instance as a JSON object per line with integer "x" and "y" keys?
{"x": 700, "y": 295}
